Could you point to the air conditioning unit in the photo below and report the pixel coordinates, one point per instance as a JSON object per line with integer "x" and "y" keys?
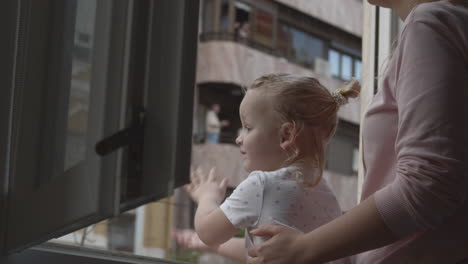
{"x": 322, "y": 67}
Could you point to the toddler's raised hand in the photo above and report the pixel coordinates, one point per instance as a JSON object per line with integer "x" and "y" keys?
{"x": 206, "y": 186}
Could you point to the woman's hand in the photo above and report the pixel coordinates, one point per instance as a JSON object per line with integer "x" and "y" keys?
{"x": 189, "y": 239}
{"x": 206, "y": 186}
{"x": 285, "y": 246}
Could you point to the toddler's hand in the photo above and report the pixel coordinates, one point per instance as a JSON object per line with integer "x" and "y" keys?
{"x": 206, "y": 186}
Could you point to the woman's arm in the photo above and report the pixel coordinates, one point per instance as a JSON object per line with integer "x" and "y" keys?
{"x": 359, "y": 230}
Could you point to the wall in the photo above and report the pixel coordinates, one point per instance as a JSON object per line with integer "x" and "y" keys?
{"x": 344, "y": 14}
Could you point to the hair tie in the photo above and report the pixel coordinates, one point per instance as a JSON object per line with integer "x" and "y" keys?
{"x": 339, "y": 98}
{"x": 351, "y": 89}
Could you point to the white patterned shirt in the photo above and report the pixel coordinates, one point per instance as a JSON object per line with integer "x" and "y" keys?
{"x": 277, "y": 197}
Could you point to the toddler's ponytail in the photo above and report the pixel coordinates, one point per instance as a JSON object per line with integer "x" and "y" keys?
{"x": 351, "y": 90}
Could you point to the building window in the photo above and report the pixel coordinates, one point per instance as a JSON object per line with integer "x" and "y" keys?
{"x": 343, "y": 150}
{"x": 208, "y": 14}
{"x": 344, "y": 66}
{"x": 224, "y": 19}
{"x": 242, "y": 21}
{"x": 121, "y": 233}
{"x": 358, "y": 69}
{"x": 263, "y": 28}
{"x": 355, "y": 164}
{"x": 334, "y": 60}
{"x": 299, "y": 46}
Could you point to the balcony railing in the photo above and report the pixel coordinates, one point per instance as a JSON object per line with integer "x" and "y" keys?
{"x": 248, "y": 41}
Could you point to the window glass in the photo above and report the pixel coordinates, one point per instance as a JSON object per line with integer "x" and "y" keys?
{"x": 299, "y": 46}
{"x": 80, "y": 83}
{"x": 224, "y": 19}
{"x": 284, "y": 40}
{"x": 146, "y": 230}
{"x": 355, "y": 159}
{"x": 305, "y": 47}
{"x": 208, "y": 14}
{"x": 242, "y": 21}
{"x": 343, "y": 151}
{"x": 358, "y": 69}
{"x": 334, "y": 60}
{"x": 346, "y": 67}
{"x": 263, "y": 30}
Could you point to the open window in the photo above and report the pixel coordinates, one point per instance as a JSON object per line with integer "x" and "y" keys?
{"x": 96, "y": 104}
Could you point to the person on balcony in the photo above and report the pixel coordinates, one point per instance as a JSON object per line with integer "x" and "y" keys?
{"x": 213, "y": 124}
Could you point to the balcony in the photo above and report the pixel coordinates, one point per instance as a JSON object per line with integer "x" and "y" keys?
{"x": 222, "y": 59}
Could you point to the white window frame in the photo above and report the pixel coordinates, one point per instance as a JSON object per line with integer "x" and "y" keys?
{"x": 381, "y": 26}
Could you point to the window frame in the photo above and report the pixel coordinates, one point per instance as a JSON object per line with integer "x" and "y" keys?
{"x": 8, "y": 16}
{"x": 29, "y": 123}
{"x": 309, "y": 35}
{"x": 171, "y": 64}
{"x": 341, "y": 54}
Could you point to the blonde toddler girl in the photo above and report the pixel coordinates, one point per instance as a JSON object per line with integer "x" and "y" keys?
{"x": 287, "y": 121}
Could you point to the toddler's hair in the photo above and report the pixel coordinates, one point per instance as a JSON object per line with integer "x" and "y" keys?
{"x": 304, "y": 102}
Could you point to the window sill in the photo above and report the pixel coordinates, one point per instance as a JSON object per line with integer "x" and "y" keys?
{"x": 53, "y": 253}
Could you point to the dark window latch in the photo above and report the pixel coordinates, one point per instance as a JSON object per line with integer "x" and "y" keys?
{"x": 125, "y": 137}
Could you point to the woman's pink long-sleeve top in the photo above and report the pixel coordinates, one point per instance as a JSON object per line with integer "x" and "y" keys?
{"x": 415, "y": 141}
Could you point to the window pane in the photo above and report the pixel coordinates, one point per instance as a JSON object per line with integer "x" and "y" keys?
{"x": 208, "y": 14}
{"x": 355, "y": 159}
{"x": 299, "y": 46}
{"x": 263, "y": 30}
{"x": 340, "y": 155}
{"x": 358, "y": 69}
{"x": 334, "y": 60}
{"x": 346, "y": 67}
{"x": 242, "y": 22}
{"x": 284, "y": 40}
{"x": 80, "y": 83}
{"x": 67, "y": 120}
{"x": 224, "y": 20}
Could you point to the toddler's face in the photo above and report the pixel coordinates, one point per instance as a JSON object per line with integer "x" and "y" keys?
{"x": 259, "y": 140}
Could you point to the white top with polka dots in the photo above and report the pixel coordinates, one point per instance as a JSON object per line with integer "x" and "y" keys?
{"x": 279, "y": 197}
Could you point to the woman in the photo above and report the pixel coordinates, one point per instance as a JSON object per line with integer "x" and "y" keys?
{"x": 414, "y": 205}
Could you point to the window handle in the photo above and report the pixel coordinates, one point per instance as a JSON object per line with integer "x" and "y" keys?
{"x": 133, "y": 135}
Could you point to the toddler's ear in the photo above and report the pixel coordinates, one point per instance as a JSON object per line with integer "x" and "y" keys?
{"x": 287, "y": 135}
